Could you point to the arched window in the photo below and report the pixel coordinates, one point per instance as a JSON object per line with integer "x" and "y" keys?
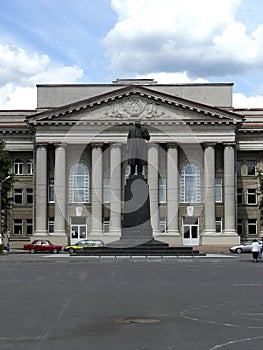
{"x": 190, "y": 183}
{"x": 79, "y": 183}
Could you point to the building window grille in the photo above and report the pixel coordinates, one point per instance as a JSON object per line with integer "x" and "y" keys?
{"x": 51, "y": 225}
{"x": 106, "y": 225}
{"x": 106, "y": 190}
{"x": 18, "y": 167}
{"x": 29, "y": 196}
{"x": 51, "y": 191}
{"x": 162, "y": 190}
{"x": 252, "y": 226}
{"x": 29, "y": 227}
{"x": 190, "y": 183}
{"x": 18, "y": 227}
{"x": 218, "y": 225}
{"x": 218, "y": 190}
{"x": 29, "y": 165}
{"x": 79, "y": 183}
{"x": 18, "y": 196}
{"x": 251, "y": 167}
{"x": 128, "y": 171}
{"x": 162, "y": 225}
{"x": 251, "y": 196}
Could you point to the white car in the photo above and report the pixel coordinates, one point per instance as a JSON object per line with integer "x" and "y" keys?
{"x": 243, "y": 248}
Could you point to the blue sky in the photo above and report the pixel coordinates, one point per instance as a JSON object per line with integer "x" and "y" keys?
{"x": 172, "y": 41}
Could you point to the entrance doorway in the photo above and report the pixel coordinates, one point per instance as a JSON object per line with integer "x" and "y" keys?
{"x": 190, "y": 230}
{"x": 78, "y": 229}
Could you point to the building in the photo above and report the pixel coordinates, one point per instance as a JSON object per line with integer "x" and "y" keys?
{"x": 70, "y": 162}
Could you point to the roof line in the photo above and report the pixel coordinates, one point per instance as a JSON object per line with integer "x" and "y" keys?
{"x": 127, "y": 89}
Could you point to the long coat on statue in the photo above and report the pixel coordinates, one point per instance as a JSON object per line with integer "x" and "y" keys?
{"x": 136, "y": 145}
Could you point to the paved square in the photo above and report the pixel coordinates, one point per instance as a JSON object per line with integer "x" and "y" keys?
{"x": 130, "y": 304}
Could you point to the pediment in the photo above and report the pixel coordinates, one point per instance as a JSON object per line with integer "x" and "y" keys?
{"x": 132, "y": 103}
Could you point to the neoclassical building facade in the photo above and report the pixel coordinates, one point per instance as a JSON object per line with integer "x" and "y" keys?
{"x": 70, "y": 162}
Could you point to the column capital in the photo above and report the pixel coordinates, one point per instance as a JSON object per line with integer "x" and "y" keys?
{"x": 97, "y": 145}
{"x": 41, "y": 145}
{"x": 116, "y": 145}
{"x": 60, "y": 144}
{"x": 209, "y": 144}
{"x": 153, "y": 144}
{"x": 172, "y": 145}
{"x": 229, "y": 144}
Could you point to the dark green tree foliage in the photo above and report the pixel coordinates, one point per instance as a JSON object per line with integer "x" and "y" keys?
{"x": 260, "y": 192}
{"x": 5, "y": 166}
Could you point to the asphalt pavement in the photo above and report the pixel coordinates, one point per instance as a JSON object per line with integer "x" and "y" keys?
{"x": 60, "y": 302}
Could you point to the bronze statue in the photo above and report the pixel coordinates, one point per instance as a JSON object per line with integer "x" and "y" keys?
{"x": 137, "y": 148}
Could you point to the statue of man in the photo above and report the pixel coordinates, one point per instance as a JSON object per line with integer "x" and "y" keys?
{"x": 137, "y": 148}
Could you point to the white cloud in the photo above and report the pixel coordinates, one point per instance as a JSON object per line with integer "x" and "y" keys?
{"x": 242, "y": 101}
{"x": 201, "y": 37}
{"x": 172, "y": 78}
{"x": 17, "y": 97}
{"x": 20, "y": 71}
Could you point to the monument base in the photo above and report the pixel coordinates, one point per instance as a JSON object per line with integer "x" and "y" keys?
{"x": 136, "y": 224}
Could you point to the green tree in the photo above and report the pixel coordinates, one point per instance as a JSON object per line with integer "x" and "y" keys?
{"x": 260, "y": 193}
{"x": 5, "y": 166}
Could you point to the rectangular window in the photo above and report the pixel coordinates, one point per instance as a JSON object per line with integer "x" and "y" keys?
{"x": 51, "y": 190}
{"x": 162, "y": 190}
{"x": 18, "y": 226}
{"x": 251, "y": 167}
{"x": 29, "y": 227}
{"x": 51, "y": 225}
{"x": 218, "y": 225}
{"x": 106, "y": 225}
{"x": 251, "y": 196}
{"x": 162, "y": 225}
{"x": 218, "y": 188}
{"x": 18, "y": 167}
{"x": 240, "y": 227}
{"x": 252, "y": 226}
{"x": 106, "y": 190}
{"x": 29, "y": 166}
{"x": 18, "y": 196}
{"x": 29, "y": 196}
{"x": 239, "y": 167}
{"x": 240, "y": 196}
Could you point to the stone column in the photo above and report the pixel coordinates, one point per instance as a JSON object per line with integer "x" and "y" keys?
{"x": 96, "y": 190}
{"x": 41, "y": 191}
{"x": 229, "y": 190}
{"x": 172, "y": 190}
{"x": 115, "y": 189}
{"x": 153, "y": 183}
{"x": 60, "y": 191}
{"x": 209, "y": 190}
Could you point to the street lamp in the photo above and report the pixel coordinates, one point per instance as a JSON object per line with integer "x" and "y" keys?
{"x": 1, "y": 186}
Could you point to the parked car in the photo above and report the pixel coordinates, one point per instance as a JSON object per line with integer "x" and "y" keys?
{"x": 42, "y": 246}
{"x": 243, "y": 248}
{"x": 83, "y": 244}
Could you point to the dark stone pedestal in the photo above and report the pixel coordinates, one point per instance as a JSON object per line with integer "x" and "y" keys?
{"x": 136, "y": 224}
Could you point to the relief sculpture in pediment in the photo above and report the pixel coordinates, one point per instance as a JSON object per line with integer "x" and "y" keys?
{"x": 135, "y": 108}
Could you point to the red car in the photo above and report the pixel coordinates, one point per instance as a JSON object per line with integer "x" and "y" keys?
{"x": 42, "y": 246}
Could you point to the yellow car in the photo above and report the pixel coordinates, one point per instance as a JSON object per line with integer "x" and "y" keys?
{"x": 82, "y": 244}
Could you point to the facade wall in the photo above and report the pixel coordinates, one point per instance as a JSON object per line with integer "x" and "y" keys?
{"x": 225, "y": 211}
